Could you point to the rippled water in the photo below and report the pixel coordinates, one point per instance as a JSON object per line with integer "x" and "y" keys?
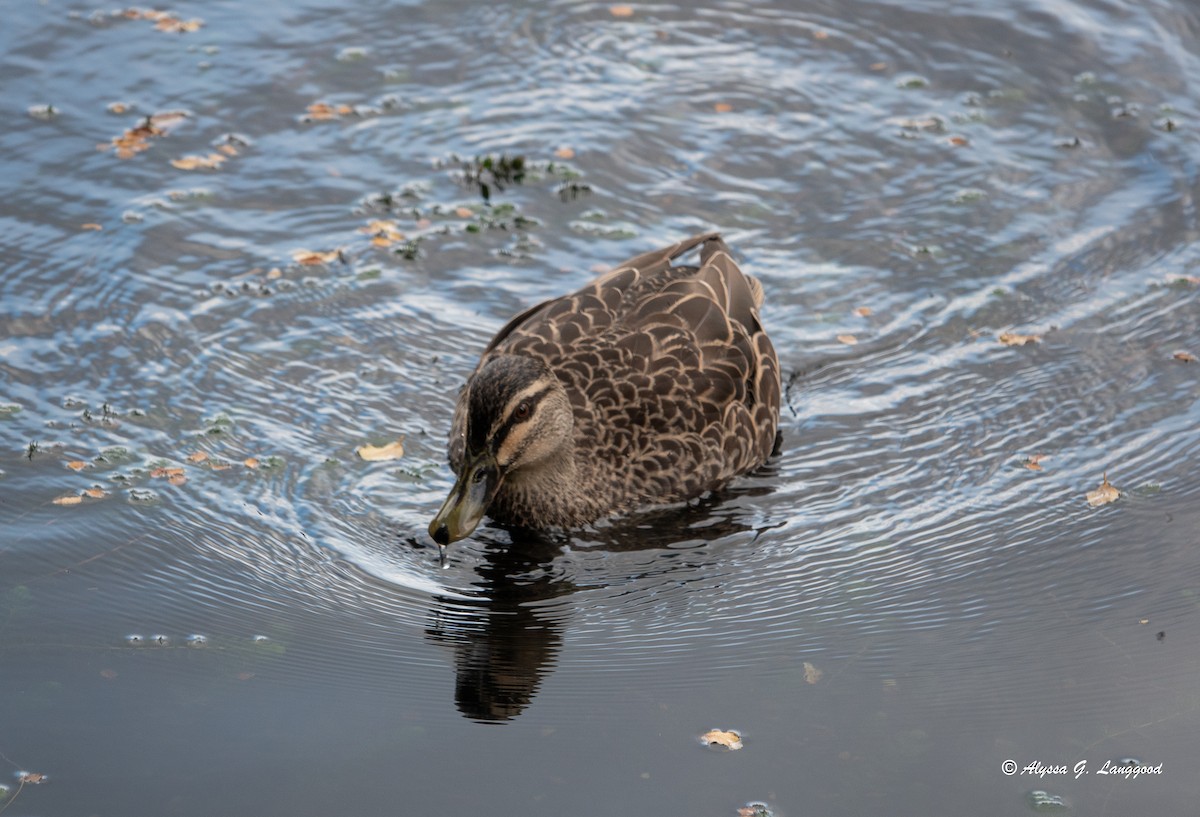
{"x": 888, "y": 611}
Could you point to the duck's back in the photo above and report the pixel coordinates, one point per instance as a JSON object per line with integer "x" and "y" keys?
{"x": 674, "y": 384}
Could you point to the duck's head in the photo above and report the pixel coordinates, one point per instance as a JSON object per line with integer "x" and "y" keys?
{"x": 518, "y": 418}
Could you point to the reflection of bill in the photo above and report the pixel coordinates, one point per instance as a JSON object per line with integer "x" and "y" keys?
{"x": 504, "y": 642}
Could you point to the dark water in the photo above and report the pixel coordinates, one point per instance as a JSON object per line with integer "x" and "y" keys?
{"x": 890, "y": 610}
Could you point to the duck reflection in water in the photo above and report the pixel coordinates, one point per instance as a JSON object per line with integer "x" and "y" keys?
{"x": 508, "y": 637}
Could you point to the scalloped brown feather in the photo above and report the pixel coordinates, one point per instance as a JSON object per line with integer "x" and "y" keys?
{"x": 673, "y": 383}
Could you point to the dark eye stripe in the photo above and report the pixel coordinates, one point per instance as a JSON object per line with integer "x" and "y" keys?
{"x": 511, "y": 420}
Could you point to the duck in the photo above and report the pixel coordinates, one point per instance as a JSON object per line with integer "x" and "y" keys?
{"x": 656, "y": 383}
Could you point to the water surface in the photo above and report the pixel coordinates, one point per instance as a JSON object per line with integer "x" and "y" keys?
{"x": 245, "y": 617}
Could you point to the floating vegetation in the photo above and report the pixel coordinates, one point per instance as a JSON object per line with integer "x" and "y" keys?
{"x": 492, "y": 172}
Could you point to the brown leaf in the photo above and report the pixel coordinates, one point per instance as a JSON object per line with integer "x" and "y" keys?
{"x": 77, "y": 465}
{"x": 811, "y": 673}
{"x": 321, "y": 111}
{"x": 958, "y": 141}
{"x": 849, "y": 340}
{"x": 193, "y": 162}
{"x": 463, "y": 212}
{"x": 310, "y": 258}
{"x": 1186, "y": 357}
{"x": 565, "y": 153}
{"x": 1033, "y": 461}
{"x": 383, "y": 233}
{"x": 820, "y": 35}
{"x": 95, "y": 493}
{"x": 717, "y": 737}
{"x": 166, "y": 473}
{"x": 91, "y": 225}
{"x": 1103, "y": 495}
{"x": 33, "y": 778}
{"x": 177, "y": 26}
{"x": 863, "y": 311}
{"x": 722, "y": 107}
{"x": 621, "y": 11}
{"x": 177, "y": 479}
{"x": 197, "y": 457}
{"x": 380, "y": 453}
{"x": 69, "y": 499}
{"x": 250, "y": 462}
{"x": 1016, "y": 339}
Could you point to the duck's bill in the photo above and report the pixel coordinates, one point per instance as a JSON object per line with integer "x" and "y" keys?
{"x": 468, "y": 501}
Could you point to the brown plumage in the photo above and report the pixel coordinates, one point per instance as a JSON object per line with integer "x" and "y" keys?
{"x": 654, "y": 383}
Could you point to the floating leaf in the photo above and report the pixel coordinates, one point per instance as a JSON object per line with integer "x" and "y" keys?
{"x": 321, "y": 111}
{"x": 34, "y": 778}
{"x": 722, "y": 107}
{"x": 1103, "y": 495}
{"x": 194, "y": 162}
{"x": 958, "y": 141}
{"x": 1033, "y": 461}
{"x": 137, "y": 138}
{"x": 91, "y": 225}
{"x": 95, "y": 493}
{"x": 863, "y": 311}
{"x": 197, "y": 457}
{"x": 811, "y": 673}
{"x": 718, "y": 737}
{"x": 69, "y": 499}
{"x": 1186, "y": 357}
{"x": 849, "y": 340}
{"x": 565, "y": 153}
{"x": 383, "y": 233}
{"x": 380, "y": 453}
{"x": 621, "y": 11}
{"x": 77, "y": 465}
{"x": 310, "y": 258}
{"x": 250, "y": 462}
{"x": 1016, "y": 339}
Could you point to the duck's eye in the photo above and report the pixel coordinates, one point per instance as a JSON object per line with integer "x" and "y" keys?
{"x": 521, "y": 412}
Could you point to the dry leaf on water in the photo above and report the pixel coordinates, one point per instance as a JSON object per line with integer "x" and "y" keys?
{"x": 77, "y": 465}
{"x": 250, "y": 462}
{"x": 193, "y": 162}
{"x": 380, "y": 453}
{"x": 95, "y": 493}
{"x": 1034, "y": 461}
{"x": 197, "y": 456}
{"x": 310, "y": 258}
{"x": 863, "y": 311}
{"x": 621, "y": 11}
{"x": 91, "y": 225}
{"x": 1103, "y": 495}
{"x": 32, "y": 777}
{"x": 137, "y": 138}
{"x": 1186, "y": 357}
{"x": 718, "y": 737}
{"x": 323, "y": 111}
{"x": 1016, "y": 339}
{"x": 811, "y": 673}
{"x": 849, "y": 340}
{"x": 565, "y": 153}
{"x": 175, "y": 476}
{"x": 383, "y": 233}
{"x": 69, "y": 499}
{"x": 722, "y": 107}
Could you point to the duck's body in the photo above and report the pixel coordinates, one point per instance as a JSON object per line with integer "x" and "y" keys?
{"x": 653, "y": 384}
